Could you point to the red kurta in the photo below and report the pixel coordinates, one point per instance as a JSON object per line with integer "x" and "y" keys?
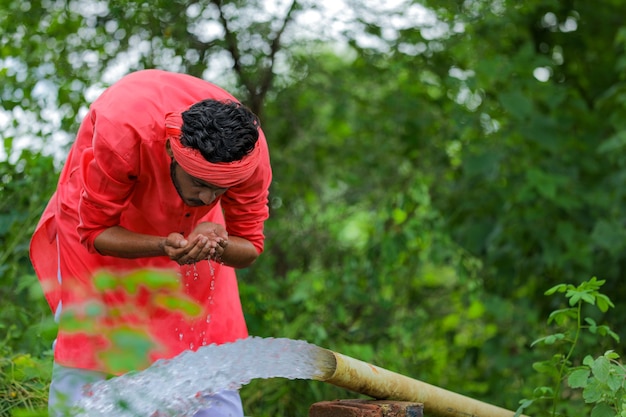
{"x": 118, "y": 173}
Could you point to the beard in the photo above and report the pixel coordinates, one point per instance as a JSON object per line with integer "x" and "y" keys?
{"x": 189, "y": 202}
{"x": 175, "y": 180}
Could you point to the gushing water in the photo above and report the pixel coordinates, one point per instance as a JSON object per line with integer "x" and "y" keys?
{"x": 183, "y": 385}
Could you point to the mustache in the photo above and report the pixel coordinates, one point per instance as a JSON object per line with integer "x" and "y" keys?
{"x": 195, "y": 202}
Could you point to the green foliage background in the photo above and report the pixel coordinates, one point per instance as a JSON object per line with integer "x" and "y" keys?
{"x": 427, "y": 191}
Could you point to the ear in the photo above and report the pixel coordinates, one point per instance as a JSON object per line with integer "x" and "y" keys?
{"x": 168, "y": 149}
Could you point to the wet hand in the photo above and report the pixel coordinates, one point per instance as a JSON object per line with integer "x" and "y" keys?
{"x": 217, "y": 239}
{"x": 191, "y": 250}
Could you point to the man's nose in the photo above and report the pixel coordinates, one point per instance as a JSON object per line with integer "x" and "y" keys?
{"x": 207, "y": 196}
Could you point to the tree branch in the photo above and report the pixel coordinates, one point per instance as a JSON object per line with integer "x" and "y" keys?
{"x": 257, "y": 91}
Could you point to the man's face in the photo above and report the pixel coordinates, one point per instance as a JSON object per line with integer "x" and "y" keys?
{"x": 193, "y": 191}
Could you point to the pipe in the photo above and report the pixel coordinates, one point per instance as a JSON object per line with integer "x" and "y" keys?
{"x": 364, "y": 378}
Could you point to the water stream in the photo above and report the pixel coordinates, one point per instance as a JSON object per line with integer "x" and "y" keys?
{"x": 180, "y": 386}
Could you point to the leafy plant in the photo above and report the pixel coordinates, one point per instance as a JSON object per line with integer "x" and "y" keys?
{"x": 602, "y": 379}
{"x": 23, "y": 383}
{"x": 25, "y": 322}
{"x": 603, "y": 383}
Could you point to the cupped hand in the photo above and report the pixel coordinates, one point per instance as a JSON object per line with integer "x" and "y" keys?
{"x": 187, "y": 251}
{"x": 217, "y": 238}
{"x": 207, "y": 241}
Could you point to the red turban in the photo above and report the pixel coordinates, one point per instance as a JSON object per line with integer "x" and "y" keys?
{"x": 221, "y": 174}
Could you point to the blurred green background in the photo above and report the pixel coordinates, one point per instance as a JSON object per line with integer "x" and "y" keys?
{"x": 438, "y": 165}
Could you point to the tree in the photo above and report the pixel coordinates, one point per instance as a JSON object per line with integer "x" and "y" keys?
{"x": 535, "y": 195}
{"x": 431, "y": 179}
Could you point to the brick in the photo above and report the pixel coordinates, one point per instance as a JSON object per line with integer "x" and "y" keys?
{"x": 345, "y": 408}
{"x": 366, "y": 408}
{"x": 400, "y": 408}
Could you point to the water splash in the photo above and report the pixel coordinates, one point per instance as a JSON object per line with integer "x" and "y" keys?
{"x": 181, "y": 386}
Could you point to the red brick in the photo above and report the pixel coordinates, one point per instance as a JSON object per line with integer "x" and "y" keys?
{"x": 345, "y": 408}
{"x": 400, "y": 408}
{"x": 366, "y": 408}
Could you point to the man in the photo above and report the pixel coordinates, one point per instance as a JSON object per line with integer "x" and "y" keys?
{"x": 168, "y": 173}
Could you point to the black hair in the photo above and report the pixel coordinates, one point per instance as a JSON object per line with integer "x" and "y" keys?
{"x": 223, "y": 131}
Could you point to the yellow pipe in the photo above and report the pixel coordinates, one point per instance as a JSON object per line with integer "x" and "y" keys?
{"x": 364, "y": 378}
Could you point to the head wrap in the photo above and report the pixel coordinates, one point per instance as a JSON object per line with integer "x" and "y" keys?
{"x": 221, "y": 174}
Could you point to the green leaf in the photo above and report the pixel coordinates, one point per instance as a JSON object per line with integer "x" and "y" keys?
{"x": 131, "y": 339}
{"x": 588, "y": 298}
{"x": 603, "y": 330}
{"x": 104, "y": 281}
{"x": 560, "y": 316}
{"x": 593, "y": 327}
{"x": 578, "y": 378}
{"x": 151, "y": 279}
{"x": 602, "y": 409}
{"x": 574, "y": 297}
{"x": 178, "y": 303}
{"x": 544, "y": 367}
{"x": 594, "y": 391}
{"x": 553, "y": 338}
{"x": 556, "y": 288}
{"x": 601, "y": 369}
{"x": 543, "y": 392}
{"x": 615, "y": 382}
{"x": 577, "y": 296}
{"x": 524, "y": 404}
{"x": 73, "y": 322}
{"x": 588, "y": 361}
{"x": 614, "y": 335}
{"x": 604, "y": 303}
{"x": 593, "y": 283}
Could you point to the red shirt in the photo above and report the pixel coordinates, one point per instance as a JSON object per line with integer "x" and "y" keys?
{"x": 118, "y": 173}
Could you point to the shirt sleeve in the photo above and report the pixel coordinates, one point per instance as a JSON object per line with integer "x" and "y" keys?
{"x": 246, "y": 205}
{"x": 108, "y": 177}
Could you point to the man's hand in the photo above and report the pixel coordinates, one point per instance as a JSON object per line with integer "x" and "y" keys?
{"x": 217, "y": 235}
{"x": 207, "y": 241}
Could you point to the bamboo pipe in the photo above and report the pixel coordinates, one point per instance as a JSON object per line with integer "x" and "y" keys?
{"x": 364, "y": 378}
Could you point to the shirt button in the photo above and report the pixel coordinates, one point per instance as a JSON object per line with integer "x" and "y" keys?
{"x": 187, "y": 214}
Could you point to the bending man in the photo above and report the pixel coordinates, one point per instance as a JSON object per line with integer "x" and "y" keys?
{"x": 168, "y": 173}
